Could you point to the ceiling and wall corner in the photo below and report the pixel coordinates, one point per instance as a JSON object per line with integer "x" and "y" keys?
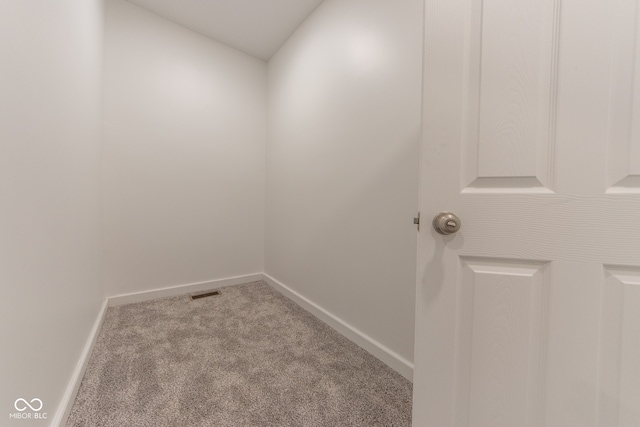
{"x": 258, "y": 28}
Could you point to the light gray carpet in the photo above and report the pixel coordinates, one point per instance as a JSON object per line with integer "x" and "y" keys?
{"x": 248, "y": 357}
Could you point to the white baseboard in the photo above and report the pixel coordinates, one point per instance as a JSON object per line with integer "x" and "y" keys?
{"x": 69, "y": 397}
{"x": 386, "y": 355}
{"x": 181, "y": 289}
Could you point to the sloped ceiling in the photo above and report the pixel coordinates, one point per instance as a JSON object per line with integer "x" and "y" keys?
{"x": 257, "y": 27}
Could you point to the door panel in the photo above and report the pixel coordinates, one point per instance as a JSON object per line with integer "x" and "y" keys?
{"x": 620, "y": 348}
{"x": 502, "y": 317}
{"x": 509, "y": 106}
{"x": 623, "y": 154}
{"x": 530, "y": 314}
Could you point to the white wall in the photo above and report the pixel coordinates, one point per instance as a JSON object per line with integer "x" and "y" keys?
{"x": 183, "y": 171}
{"x": 50, "y": 141}
{"x": 185, "y": 121}
{"x": 342, "y": 164}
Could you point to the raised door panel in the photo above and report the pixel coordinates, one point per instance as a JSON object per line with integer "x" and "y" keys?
{"x": 619, "y": 395}
{"x": 502, "y": 334}
{"x": 510, "y": 96}
{"x": 623, "y": 167}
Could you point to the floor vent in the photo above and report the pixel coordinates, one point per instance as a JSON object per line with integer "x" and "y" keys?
{"x": 204, "y": 294}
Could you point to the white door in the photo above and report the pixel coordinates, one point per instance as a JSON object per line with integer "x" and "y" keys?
{"x": 530, "y": 314}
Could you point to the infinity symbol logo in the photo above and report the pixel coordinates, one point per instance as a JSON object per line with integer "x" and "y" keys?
{"x": 24, "y": 402}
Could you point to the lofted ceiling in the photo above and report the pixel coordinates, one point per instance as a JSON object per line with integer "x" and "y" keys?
{"x": 257, "y": 27}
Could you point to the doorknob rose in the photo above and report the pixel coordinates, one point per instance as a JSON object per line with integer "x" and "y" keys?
{"x": 446, "y": 223}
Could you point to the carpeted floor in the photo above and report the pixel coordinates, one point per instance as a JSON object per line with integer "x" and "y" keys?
{"x": 248, "y": 357}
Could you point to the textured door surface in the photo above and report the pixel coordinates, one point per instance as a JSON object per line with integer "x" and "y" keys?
{"x": 530, "y": 314}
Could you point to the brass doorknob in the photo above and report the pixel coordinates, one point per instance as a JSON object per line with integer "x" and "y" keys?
{"x": 446, "y": 223}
